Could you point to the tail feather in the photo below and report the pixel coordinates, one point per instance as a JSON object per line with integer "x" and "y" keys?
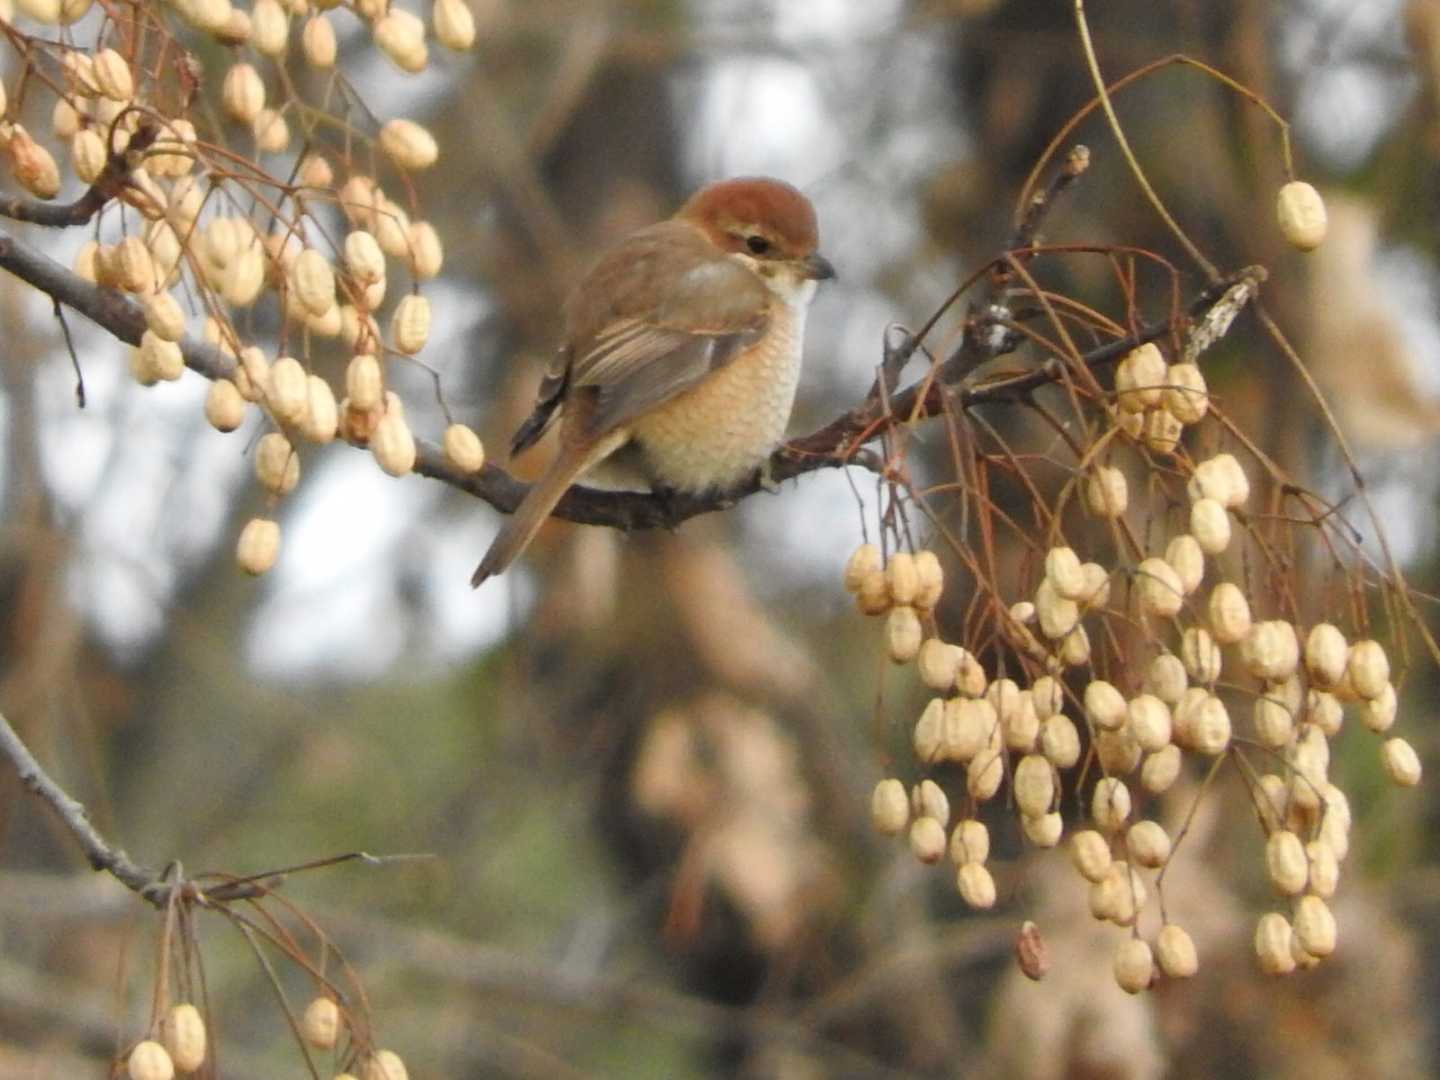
{"x": 515, "y": 535}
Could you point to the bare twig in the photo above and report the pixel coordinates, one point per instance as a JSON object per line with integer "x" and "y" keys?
{"x": 101, "y": 854}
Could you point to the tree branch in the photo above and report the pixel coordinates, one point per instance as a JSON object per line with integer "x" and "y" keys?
{"x": 988, "y": 335}
{"x": 100, "y": 853}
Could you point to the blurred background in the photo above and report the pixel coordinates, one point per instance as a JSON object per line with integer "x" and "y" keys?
{"x": 643, "y": 763}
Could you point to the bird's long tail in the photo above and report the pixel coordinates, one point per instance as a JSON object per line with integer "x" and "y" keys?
{"x": 515, "y": 535}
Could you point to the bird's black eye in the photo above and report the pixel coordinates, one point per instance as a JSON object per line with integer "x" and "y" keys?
{"x": 758, "y": 245}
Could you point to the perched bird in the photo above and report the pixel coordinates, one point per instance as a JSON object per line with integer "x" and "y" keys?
{"x": 681, "y": 353}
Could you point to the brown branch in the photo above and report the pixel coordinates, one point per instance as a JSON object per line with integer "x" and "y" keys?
{"x": 100, "y": 853}
{"x": 110, "y": 309}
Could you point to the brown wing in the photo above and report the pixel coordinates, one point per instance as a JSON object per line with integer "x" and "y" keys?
{"x": 656, "y": 315}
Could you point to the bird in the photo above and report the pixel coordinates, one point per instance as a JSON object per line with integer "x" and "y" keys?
{"x": 680, "y": 354}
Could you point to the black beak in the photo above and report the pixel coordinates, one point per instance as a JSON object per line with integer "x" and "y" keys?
{"x": 818, "y": 268}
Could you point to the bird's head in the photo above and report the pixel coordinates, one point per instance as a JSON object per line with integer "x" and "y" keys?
{"x": 768, "y": 225}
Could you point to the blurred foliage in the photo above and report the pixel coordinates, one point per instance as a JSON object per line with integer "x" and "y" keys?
{"x": 735, "y": 915}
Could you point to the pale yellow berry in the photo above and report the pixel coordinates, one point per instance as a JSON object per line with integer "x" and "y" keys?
{"x": 1200, "y": 655}
{"x": 224, "y": 407}
{"x": 464, "y": 450}
{"x": 1158, "y": 589}
{"x": 87, "y": 155}
{"x": 1117, "y": 752}
{"x": 984, "y": 773}
{"x": 1044, "y": 831}
{"x": 1175, "y": 952}
{"x": 1139, "y": 378}
{"x": 408, "y": 144}
{"x": 1314, "y": 926}
{"x": 1149, "y": 722}
{"x": 269, "y": 28}
{"x": 902, "y": 578}
{"x": 929, "y": 734}
{"x": 150, "y": 1061}
{"x": 1186, "y": 558}
{"x": 927, "y": 840}
{"x": 258, "y": 546}
{"x": 288, "y": 392}
{"x": 863, "y": 561}
{"x": 1378, "y": 713}
{"x": 1324, "y": 869}
{"x": 1105, "y": 706}
{"x": 1335, "y": 821}
{"x": 1161, "y": 431}
{"x": 1210, "y": 525}
{"x": 313, "y": 281}
{"x": 1401, "y": 762}
{"x": 1060, "y": 741}
{"x": 873, "y": 595}
{"x": 1110, "y": 803}
{"x": 971, "y": 678}
{"x": 277, "y": 466}
{"x": 136, "y": 271}
{"x": 454, "y": 24}
{"x": 1034, "y": 785}
{"x": 1207, "y": 727}
{"x": 322, "y": 415}
{"x": 252, "y": 373}
{"x": 1097, "y": 585}
{"x": 160, "y": 357}
{"x": 938, "y": 662}
{"x": 1090, "y": 853}
{"x": 364, "y": 383}
{"x": 903, "y": 634}
{"x": 1228, "y": 613}
{"x": 1021, "y": 726}
{"x": 410, "y": 325}
{"x": 1271, "y": 650}
{"x": 1326, "y": 655}
{"x": 1273, "y": 944}
{"x": 1056, "y": 615}
{"x": 1160, "y": 770}
{"x": 317, "y": 40}
{"x": 1186, "y": 397}
{"x": 385, "y": 1065}
{"x": 931, "y": 579}
{"x": 1048, "y": 695}
{"x": 1324, "y": 711}
{"x": 184, "y": 1034}
{"x": 1147, "y": 843}
{"x": 1106, "y": 492}
{"x": 1368, "y": 668}
{"x": 889, "y": 807}
{"x": 363, "y": 257}
{"x": 64, "y": 118}
{"x": 977, "y": 886}
{"x": 401, "y": 36}
{"x": 928, "y": 799}
{"x": 1134, "y": 965}
{"x": 1166, "y": 678}
{"x": 33, "y": 165}
{"x": 1286, "y": 862}
{"x": 320, "y": 1024}
{"x": 968, "y": 726}
{"x": 426, "y": 254}
{"x": 1301, "y": 213}
{"x": 242, "y": 94}
{"x": 393, "y": 444}
{"x": 164, "y": 316}
{"x": 1274, "y": 725}
{"x": 1221, "y": 478}
{"x": 970, "y": 842}
{"x": 1309, "y": 758}
{"x": 1062, "y": 569}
